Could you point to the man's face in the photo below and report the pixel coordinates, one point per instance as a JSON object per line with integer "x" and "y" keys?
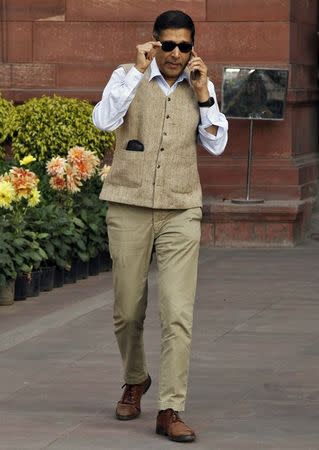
{"x": 171, "y": 64}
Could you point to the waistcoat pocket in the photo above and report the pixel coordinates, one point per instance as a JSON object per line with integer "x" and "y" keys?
{"x": 127, "y": 169}
{"x": 185, "y": 178}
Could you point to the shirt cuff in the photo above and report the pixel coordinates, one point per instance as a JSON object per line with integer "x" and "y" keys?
{"x": 212, "y": 116}
{"x": 203, "y": 116}
{"x": 211, "y": 136}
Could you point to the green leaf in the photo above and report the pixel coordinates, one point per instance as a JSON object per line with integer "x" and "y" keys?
{"x": 93, "y": 227}
{"x": 43, "y": 235}
{"x": 2, "y": 280}
{"x": 81, "y": 245}
{"x": 78, "y": 222}
{"x": 24, "y": 268}
{"x": 84, "y": 256}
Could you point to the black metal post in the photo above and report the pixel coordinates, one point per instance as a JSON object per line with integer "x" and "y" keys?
{"x": 249, "y": 164}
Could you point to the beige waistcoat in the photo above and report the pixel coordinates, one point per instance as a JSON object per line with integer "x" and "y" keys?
{"x": 165, "y": 174}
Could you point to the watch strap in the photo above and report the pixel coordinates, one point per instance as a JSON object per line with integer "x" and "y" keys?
{"x": 207, "y": 103}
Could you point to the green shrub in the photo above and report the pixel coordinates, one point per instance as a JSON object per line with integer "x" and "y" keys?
{"x": 54, "y": 225}
{"x": 91, "y": 212}
{"x": 50, "y": 126}
{"x": 7, "y": 121}
{"x": 21, "y": 249}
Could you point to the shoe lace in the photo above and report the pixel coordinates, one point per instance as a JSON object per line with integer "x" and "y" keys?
{"x": 175, "y": 417}
{"x": 130, "y": 394}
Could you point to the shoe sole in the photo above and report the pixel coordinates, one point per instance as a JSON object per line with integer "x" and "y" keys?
{"x": 127, "y": 417}
{"x": 135, "y": 416}
{"x": 187, "y": 438}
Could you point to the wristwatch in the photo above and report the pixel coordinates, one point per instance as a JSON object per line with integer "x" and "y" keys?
{"x": 208, "y": 103}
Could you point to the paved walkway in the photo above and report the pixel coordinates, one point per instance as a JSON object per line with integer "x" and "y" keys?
{"x": 254, "y": 370}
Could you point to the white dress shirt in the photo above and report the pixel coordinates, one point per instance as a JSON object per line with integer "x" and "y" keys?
{"x": 119, "y": 92}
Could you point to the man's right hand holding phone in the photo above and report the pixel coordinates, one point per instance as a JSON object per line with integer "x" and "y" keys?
{"x": 199, "y": 78}
{"x": 199, "y": 81}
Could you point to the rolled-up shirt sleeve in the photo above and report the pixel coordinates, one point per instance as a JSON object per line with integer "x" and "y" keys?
{"x": 212, "y": 116}
{"x": 117, "y": 96}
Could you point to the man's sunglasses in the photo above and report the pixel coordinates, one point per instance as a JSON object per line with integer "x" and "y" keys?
{"x": 184, "y": 47}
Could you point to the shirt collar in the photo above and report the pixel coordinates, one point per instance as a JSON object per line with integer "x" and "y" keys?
{"x": 155, "y": 72}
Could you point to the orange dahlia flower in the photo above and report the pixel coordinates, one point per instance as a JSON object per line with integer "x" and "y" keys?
{"x": 23, "y": 181}
{"x": 58, "y": 183}
{"x": 83, "y": 161}
{"x": 56, "y": 166}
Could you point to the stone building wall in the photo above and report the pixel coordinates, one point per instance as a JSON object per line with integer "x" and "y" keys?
{"x": 70, "y": 47}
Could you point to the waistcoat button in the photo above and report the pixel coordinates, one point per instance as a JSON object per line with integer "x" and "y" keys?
{"x": 167, "y": 117}
{"x": 158, "y": 166}
{"x": 165, "y": 134}
{"x": 169, "y": 99}
{"x": 162, "y": 149}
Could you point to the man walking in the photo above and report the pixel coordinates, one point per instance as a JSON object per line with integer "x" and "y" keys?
{"x": 160, "y": 107}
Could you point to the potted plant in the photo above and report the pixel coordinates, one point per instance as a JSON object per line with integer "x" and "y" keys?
{"x": 19, "y": 192}
{"x": 55, "y": 226}
{"x": 27, "y": 256}
{"x": 67, "y": 177}
{"x": 7, "y": 269}
{"x": 92, "y": 212}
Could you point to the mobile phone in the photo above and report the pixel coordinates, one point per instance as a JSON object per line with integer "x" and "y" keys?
{"x": 195, "y": 74}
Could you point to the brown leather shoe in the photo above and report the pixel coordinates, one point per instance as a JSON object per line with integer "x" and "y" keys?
{"x": 129, "y": 407}
{"x": 169, "y": 424}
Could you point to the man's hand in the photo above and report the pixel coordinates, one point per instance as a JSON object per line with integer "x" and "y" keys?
{"x": 198, "y": 78}
{"x": 145, "y": 53}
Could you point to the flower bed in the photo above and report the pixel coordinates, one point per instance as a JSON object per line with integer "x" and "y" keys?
{"x": 50, "y": 212}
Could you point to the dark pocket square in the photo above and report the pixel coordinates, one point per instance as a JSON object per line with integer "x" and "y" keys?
{"x": 135, "y": 146}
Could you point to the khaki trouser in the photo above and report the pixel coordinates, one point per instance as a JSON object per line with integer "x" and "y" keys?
{"x": 132, "y": 232}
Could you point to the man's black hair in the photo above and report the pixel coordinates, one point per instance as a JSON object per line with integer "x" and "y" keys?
{"x": 175, "y": 20}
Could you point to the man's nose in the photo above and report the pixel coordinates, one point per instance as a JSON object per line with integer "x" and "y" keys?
{"x": 176, "y": 52}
